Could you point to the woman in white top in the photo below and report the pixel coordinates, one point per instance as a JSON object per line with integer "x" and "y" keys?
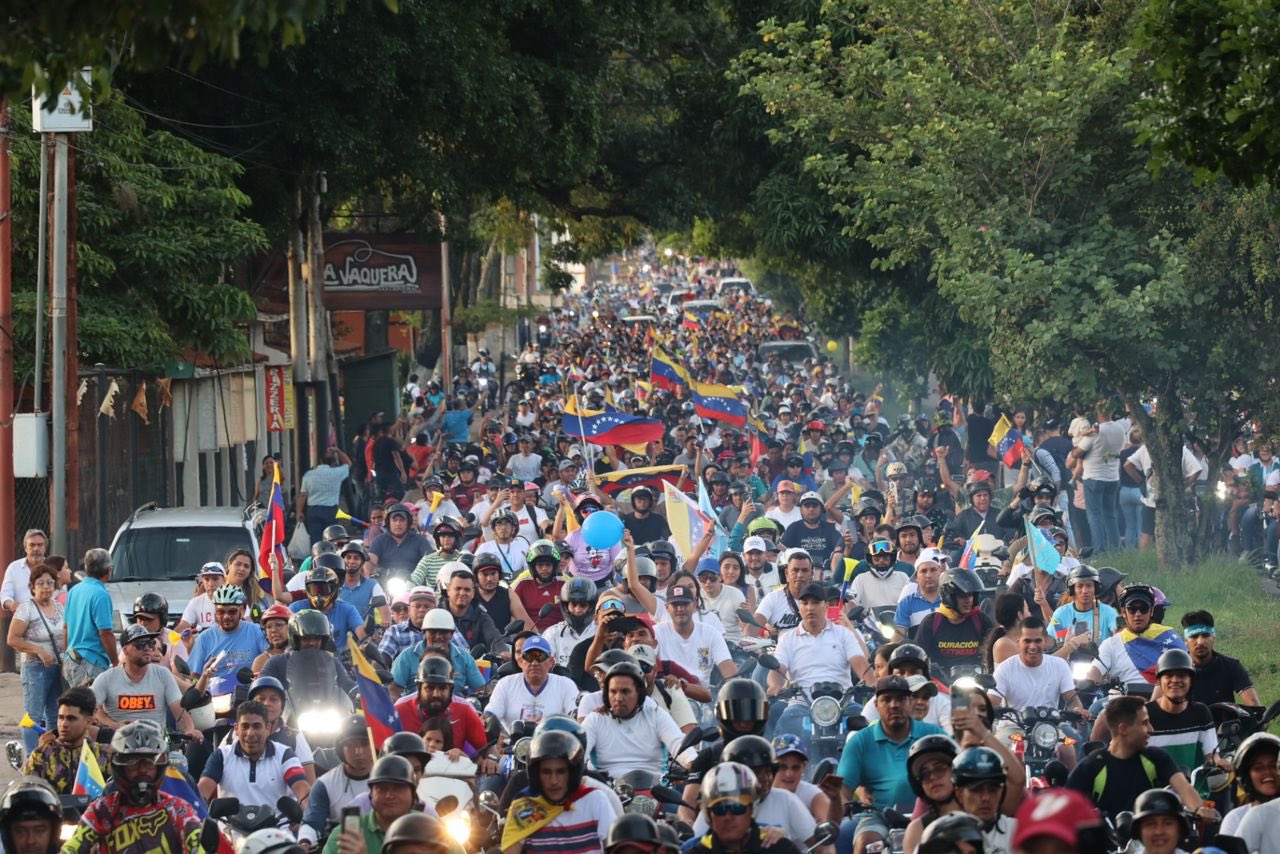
{"x": 37, "y": 632}
{"x": 199, "y": 611}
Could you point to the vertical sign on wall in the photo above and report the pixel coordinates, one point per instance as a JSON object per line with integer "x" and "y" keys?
{"x": 275, "y": 393}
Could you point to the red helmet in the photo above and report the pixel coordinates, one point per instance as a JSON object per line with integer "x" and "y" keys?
{"x": 815, "y": 425}
{"x": 275, "y": 612}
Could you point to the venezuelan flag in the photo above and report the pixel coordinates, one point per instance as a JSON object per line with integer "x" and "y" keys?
{"x": 687, "y": 522}
{"x": 1007, "y": 441}
{"x": 609, "y": 427}
{"x": 379, "y": 711}
{"x": 691, "y": 321}
{"x": 667, "y": 373}
{"x": 272, "y": 532}
{"x": 89, "y": 779}
{"x": 969, "y": 557}
{"x": 485, "y": 667}
{"x": 611, "y": 483}
{"x": 719, "y": 403}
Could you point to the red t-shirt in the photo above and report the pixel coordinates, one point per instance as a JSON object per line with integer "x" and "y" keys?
{"x": 468, "y": 730}
{"x": 533, "y": 596}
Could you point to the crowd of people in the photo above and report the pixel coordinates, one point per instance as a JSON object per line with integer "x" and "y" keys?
{"x": 764, "y": 505}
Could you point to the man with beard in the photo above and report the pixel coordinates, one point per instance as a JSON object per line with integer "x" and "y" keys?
{"x": 909, "y": 537}
{"x": 435, "y": 698}
{"x": 136, "y": 689}
{"x": 629, "y": 731}
{"x": 642, "y": 522}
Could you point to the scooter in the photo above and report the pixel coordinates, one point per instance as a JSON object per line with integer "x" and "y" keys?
{"x": 239, "y": 820}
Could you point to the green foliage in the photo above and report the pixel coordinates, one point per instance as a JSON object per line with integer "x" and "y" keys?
{"x": 160, "y": 230}
{"x": 475, "y": 318}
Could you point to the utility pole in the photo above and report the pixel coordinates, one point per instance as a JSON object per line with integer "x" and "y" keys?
{"x": 58, "y": 313}
{"x": 298, "y": 326}
{"x": 42, "y": 249}
{"x": 7, "y": 523}
{"x": 446, "y": 315}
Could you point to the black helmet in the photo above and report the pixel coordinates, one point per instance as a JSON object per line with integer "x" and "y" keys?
{"x": 939, "y": 744}
{"x": 151, "y": 603}
{"x": 610, "y": 657}
{"x": 322, "y": 581}
{"x": 406, "y": 744}
{"x": 1259, "y": 742}
{"x": 1083, "y": 572}
{"x": 630, "y": 669}
{"x": 1138, "y": 593}
{"x": 554, "y": 744}
{"x": 562, "y": 723}
{"x": 139, "y": 738}
{"x": 392, "y": 769}
{"x": 578, "y": 589}
{"x": 333, "y": 533}
{"x": 1110, "y": 578}
{"x": 866, "y": 507}
{"x": 753, "y": 751}
{"x": 1155, "y": 802}
{"x": 977, "y": 765}
{"x": 633, "y": 828}
{"x": 265, "y": 683}
{"x": 354, "y": 728}
{"x": 353, "y": 547}
{"x": 542, "y": 549}
{"x": 1044, "y": 511}
{"x": 309, "y": 623}
{"x": 30, "y": 798}
{"x": 446, "y": 525}
{"x": 399, "y": 510}
{"x": 943, "y": 834}
{"x": 663, "y": 549}
{"x": 417, "y": 828}
{"x": 909, "y": 653}
{"x": 1043, "y": 486}
{"x": 1173, "y": 660}
{"x": 958, "y": 582}
{"x": 741, "y": 700}
{"x": 906, "y": 523}
{"x": 435, "y": 670}
{"x": 486, "y": 560}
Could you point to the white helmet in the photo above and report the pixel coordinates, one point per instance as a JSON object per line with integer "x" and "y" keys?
{"x": 269, "y": 840}
{"x": 446, "y": 572}
{"x": 439, "y": 619}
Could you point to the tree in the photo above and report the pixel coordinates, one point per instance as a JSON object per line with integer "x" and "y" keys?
{"x": 160, "y": 230}
{"x": 992, "y": 146}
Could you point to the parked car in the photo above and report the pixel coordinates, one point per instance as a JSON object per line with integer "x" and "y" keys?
{"x": 161, "y": 549}
{"x": 677, "y": 298}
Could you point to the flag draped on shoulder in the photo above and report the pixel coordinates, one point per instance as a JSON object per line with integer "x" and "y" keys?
{"x": 379, "y": 711}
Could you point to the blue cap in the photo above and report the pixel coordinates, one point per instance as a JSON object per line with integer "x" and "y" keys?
{"x": 789, "y": 743}
{"x": 708, "y": 564}
{"x": 537, "y": 642}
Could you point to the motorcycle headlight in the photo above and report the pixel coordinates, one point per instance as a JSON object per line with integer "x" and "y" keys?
{"x": 223, "y": 703}
{"x": 1045, "y": 736}
{"x": 825, "y": 711}
{"x": 521, "y": 749}
{"x": 67, "y": 830}
{"x": 396, "y": 586}
{"x": 1080, "y": 670}
{"x": 320, "y": 722}
{"x": 458, "y": 825}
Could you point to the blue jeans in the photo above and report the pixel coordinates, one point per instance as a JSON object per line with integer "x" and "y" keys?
{"x": 41, "y": 687}
{"x": 1131, "y": 512}
{"x": 1101, "y": 498}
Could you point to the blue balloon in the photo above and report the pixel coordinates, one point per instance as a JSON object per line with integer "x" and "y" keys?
{"x": 602, "y": 530}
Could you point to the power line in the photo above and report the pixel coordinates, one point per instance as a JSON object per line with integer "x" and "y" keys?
{"x": 218, "y": 88}
{"x": 142, "y": 108}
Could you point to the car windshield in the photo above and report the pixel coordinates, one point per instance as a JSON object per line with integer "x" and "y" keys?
{"x": 170, "y": 553}
{"x": 788, "y": 351}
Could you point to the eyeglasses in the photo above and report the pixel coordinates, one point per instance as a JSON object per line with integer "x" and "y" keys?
{"x": 724, "y": 808}
{"x": 129, "y": 760}
{"x": 534, "y": 656}
{"x": 1137, "y": 608}
{"x": 46, "y": 582}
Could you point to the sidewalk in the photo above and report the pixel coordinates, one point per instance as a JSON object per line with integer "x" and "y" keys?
{"x": 10, "y": 713}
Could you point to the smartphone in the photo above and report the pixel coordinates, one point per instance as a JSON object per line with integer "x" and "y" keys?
{"x": 960, "y": 700}
{"x": 1080, "y": 629}
{"x": 835, "y": 779}
{"x": 350, "y": 819}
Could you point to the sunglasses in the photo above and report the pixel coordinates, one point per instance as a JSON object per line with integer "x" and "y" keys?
{"x": 612, "y": 605}
{"x": 145, "y": 643}
{"x": 129, "y": 760}
{"x": 724, "y": 808}
{"x": 1138, "y": 608}
{"x": 535, "y": 656}
{"x": 881, "y": 547}
{"x": 587, "y": 511}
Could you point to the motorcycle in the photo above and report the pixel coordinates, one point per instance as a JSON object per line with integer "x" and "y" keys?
{"x": 239, "y": 820}
{"x": 828, "y": 722}
{"x": 892, "y": 818}
{"x": 315, "y": 705}
{"x": 642, "y": 792}
{"x": 1036, "y": 742}
{"x": 449, "y": 787}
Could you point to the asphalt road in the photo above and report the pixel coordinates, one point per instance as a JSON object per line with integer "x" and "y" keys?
{"x": 10, "y": 713}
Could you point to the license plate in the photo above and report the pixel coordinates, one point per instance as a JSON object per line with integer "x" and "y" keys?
{"x": 643, "y": 805}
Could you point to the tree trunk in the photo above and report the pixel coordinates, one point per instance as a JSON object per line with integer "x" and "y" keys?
{"x": 1163, "y": 435}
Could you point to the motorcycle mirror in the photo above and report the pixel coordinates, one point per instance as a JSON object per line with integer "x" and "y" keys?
{"x": 222, "y": 808}
{"x": 548, "y": 609}
{"x": 825, "y": 834}
{"x": 514, "y": 627}
{"x": 748, "y": 618}
{"x": 986, "y": 681}
{"x": 768, "y": 662}
{"x": 492, "y": 727}
{"x": 695, "y": 736}
{"x": 479, "y": 650}
{"x": 856, "y": 614}
{"x": 1230, "y": 844}
{"x": 244, "y": 676}
{"x": 668, "y": 795}
{"x": 1272, "y": 711}
{"x": 489, "y": 800}
{"x": 1124, "y": 825}
{"x": 181, "y": 666}
{"x": 210, "y": 836}
{"x": 290, "y": 809}
{"x": 370, "y": 622}
{"x": 193, "y": 698}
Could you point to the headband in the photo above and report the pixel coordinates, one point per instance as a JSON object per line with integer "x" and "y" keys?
{"x": 1193, "y": 631}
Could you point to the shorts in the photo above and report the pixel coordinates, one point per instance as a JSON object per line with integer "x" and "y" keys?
{"x": 871, "y": 822}
{"x": 1148, "y": 520}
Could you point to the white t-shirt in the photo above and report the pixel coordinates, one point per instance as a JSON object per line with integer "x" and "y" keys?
{"x": 1113, "y": 660}
{"x": 806, "y": 792}
{"x": 775, "y": 607}
{"x": 870, "y": 591}
{"x": 1260, "y": 828}
{"x": 523, "y": 467}
{"x": 1102, "y": 451}
{"x": 823, "y": 657}
{"x": 529, "y": 519}
{"x": 510, "y": 556}
{"x": 783, "y": 517}
{"x": 779, "y": 808}
{"x": 199, "y": 610}
{"x": 618, "y": 746}
{"x": 563, "y": 639}
{"x": 700, "y": 653}
{"x": 680, "y": 709}
{"x": 512, "y": 700}
{"x": 1141, "y": 460}
{"x": 1231, "y": 822}
{"x": 726, "y": 607}
{"x": 593, "y": 810}
{"x": 1023, "y": 686}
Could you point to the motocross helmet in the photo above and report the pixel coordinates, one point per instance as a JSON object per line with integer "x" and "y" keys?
{"x": 309, "y": 623}
{"x": 153, "y": 604}
{"x": 30, "y": 798}
{"x": 553, "y": 744}
{"x": 959, "y": 582}
{"x": 542, "y": 549}
{"x": 633, "y": 829}
{"x": 741, "y": 700}
{"x": 139, "y": 741}
{"x": 270, "y": 840}
{"x": 729, "y": 781}
{"x": 929, "y": 744}
{"x": 752, "y": 751}
{"x": 323, "y": 582}
{"x": 943, "y": 834}
{"x": 1083, "y": 572}
{"x": 879, "y": 547}
{"x": 583, "y": 590}
{"x": 415, "y": 828}
{"x": 1255, "y": 745}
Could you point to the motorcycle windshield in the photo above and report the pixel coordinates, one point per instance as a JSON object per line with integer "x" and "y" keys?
{"x": 313, "y": 678}
{"x": 639, "y": 779}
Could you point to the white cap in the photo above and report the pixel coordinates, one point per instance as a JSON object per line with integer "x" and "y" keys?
{"x": 937, "y": 556}
{"x": 753, "y": 544}
{"x": 644, "y": 654}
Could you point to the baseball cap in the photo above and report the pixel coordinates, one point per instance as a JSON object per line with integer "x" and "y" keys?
{"x": 708, "y": 565}
{"x": 813, "y": 590}
{"x": 810, "y": 496}
{"x": 213, "y": 568}
{"x": 937, "y": 556}
{"x": 135, "y": 632}
{"x": 564, "y": 464}
{"x": 536, "y": 642}
{"x": 753, "y": 544}
{"x": 422, "y": 592}
{"x": 922, "y": 684}
{"x": 795, "y": 460}
{"x": 1057, "y": 813}
{"x": 678, "y": 594}
{"x": 787, "y": 486}
{"x": 644, "y": 654}
{"x": 892, "y": 685}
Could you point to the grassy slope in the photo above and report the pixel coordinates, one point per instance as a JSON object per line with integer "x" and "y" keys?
{"x": 1241, "y": 601}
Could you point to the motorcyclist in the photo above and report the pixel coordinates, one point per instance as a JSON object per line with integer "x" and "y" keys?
{"x": 776, "y": 808}
{"x": 439, "y": 631}
{"x": 361, "y": 592}
{"x": 271, "y": 694}
{"x": 1160, "y": 822}
{"x": 417, "y": 833}
{"x": 534, "y": 691}
{"x": 956, "y": 833}
{"x": 471, "y": 619}
{"x": 741, "y": 709}
{"x": 929, "y": 773}
{"x": 822, "y": 801}
{"x": 56, "y": 757}
{"x": 909, "y": 537}
{"x": 982, "y": 791}
{"x": 230, "y": 643}
{"x": 392, "y": 795}
{"x": 434, "y": 698}
{"x": 494, "y": 596}
{"x": 137, "y": 816}
{"x": 577, "y": 604}
{"x": 542, "y": 586}
{"x": 275, "y": 628}
{"x": 400, "y": 636}
{"x": 255, "y": 767}
{"x": 953, "y": 635}
{"x": 1254, "y": 764}
{"x": 883, "y": 585}
{"x": 916, "y": 606}
{"x": 538, "y": 819}
{"x": 309, "y": 629}
{"x": 629, "y": 730}
{"x": 1123, "y": 659}
{"x": 634, "y": 833}
{"x": 398, "y": 549}
{"x": 322, "y": 595}
{"x": 446, "y": 531}
{"x": 152, "y": 611}
{"x": 1098, "y": 618}
{"x": 644, "y": 524}
{"x": 341, "y": 785}
{"x": 30, "y": 817}
{"x": 730, "y": 796}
